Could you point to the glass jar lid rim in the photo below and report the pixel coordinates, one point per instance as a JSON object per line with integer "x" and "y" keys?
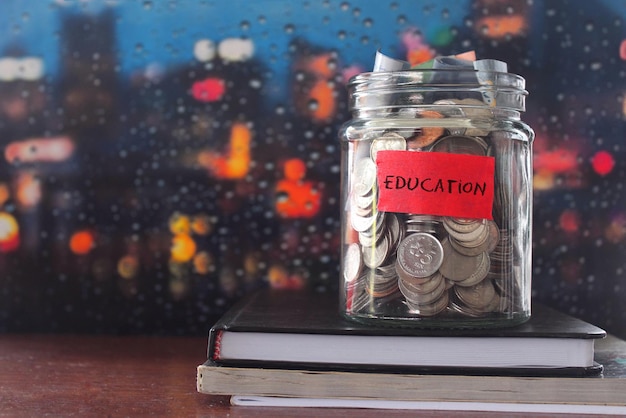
{"x": 435, "y": 77}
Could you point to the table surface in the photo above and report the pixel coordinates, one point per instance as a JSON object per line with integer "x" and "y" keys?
{"x": 69, "y": 375}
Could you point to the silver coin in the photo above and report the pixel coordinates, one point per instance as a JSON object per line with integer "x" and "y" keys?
{"x": 474, "y": 238}
{"x": 494, "y": 236}
{"x": 381, "y": 290}
{"x": 388, "y": 142}
{"x": 369, "y": 224}
{"x": 470, "y": 251}
{"x": 365, "y": 201}
{"x": 402, "y": 274}
{"x": 375, "y": 256}
{"x": 425, "y": 287}
{"x": 419, "y": 298}
{"x": 395, "y": 231}
{"x": 477, "y": 275}
{"x": 361, "y": 223}
{"x": 418, "y": 218}
{"x": 387, "y": 271}
{"x": 353, "y": 262}
{"x": 456, "y": 266}
{"x": 477, "y": 296}
{"x": 420, "y": 254}
{"x": 462, "y": 226}
{"x": 364, "y": 177}
{"x": 457, "y": 144}
{"x": 430, "y": 309}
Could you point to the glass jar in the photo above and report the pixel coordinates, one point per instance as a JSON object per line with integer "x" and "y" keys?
{"x": 436, "y": 200}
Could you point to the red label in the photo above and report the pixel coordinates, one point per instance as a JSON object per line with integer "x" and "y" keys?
{"x": 435, "y": 183}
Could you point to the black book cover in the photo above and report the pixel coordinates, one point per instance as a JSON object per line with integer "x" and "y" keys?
{"x": 308, "y": 312}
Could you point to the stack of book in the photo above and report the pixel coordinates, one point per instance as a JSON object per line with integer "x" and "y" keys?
{"x": 287, "y": 348}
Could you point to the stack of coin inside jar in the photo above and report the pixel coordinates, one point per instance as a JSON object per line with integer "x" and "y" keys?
{"x": 421, "y": 265}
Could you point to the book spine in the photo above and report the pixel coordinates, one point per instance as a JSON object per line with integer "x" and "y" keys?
{"x": 216, "y": 345}
{"x": 225, "y": 323}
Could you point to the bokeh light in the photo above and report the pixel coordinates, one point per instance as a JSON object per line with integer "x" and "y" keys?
{"x": 183, "y": 248}
{"x": 602, "y": 162}
{"x": 82, "y": 242}
{"x": 9, "y": 233}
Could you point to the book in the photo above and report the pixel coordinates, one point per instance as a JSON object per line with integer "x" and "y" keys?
{"x": 305, "y": 330}
{"x": 259, "y": 386}
{"x": 510, "y": 407}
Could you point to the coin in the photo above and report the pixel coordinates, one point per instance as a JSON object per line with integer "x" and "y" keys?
{"x": 456, "y": 266}
{"x": 420, "y": 254}
{"x": 426, "y": 135}
{"x": 477, "y": 275}
{"x": 361, "y": 223}
{"x": 418, "y": 298}
{"x": 353, "y": 262}
{"x": 431, "y": 309}
{"x": 462, "y": 226}
{"x": 420, "y": 292}
{"x": 469, "y": 251}
{"x": 477, "y": 296}
{"x": 457, "y": 144}
{"x": 388, "y": 142}
{"x": 365, "y": 201}
{"x": 375, "y": 256}
{"x": 364, "y": 177}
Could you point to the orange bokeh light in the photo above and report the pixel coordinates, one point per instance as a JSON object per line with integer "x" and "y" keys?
{"x": 128, "y": 267}
{"x": 323, "y": 98}
{"x": 201, "y": 224}
{"x": 499, "y": 26}
{"x": 203, "y": 263}
{"x": 82, "y": 242}
{"x": 236, "y": 162}
{"x": 321, "y": 65}
{"x": 5, "y": 193}
{"x": 9, "y": 233}
{"x": 183, "y": 248}
{"x": 55, "y": 149}
{"x": 179, "y": 223}
{"x": 296, "y": 198}
{"x": 295, "y": 169}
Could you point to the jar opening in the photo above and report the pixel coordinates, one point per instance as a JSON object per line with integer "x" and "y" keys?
{"x": 425, "y": 87}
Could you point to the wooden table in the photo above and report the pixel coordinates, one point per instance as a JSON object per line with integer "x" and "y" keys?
{"x": 65, "y": 375}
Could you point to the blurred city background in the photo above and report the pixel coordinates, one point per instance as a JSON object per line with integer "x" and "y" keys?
{"x": 161, "y": 159}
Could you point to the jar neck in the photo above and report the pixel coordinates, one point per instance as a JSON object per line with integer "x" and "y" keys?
{"x": 403, "y": 93}
{"x": 450, "y": 111}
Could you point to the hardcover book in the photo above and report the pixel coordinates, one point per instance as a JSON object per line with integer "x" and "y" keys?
{"x": 301, "y": 330}
{"x": 597, "y": 394}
